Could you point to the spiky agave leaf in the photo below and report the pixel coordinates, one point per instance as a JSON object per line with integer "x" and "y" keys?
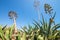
{"x": 30, "y": 28}
{"x": 6, "y": 34}
{"x": 55, "y": 27}
{"x": 11, "y": 31}
{"x": 23, "y": 36}
{"x": 36, "y": 24}
{"x": 53, "y": 36}
{"x": 1, "y": 33}
{"x": 4, "y": 27}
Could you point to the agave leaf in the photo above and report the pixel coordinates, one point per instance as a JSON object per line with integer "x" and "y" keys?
{"x": 2, "y": 36}
{"x": 29, "y": 29}
{"x": 56, "y": 34}
{"x": 56, "y": 28}
{"x": 54, "y": 15}
{"x": 53, "y": 36}
{"x": 49, "y": 27}
{"x": 36, "y": 24}
{"x": 43, "y": 19}
{"x": 11, "y": 30}
{"x": 1, "y": 33}
{"x": 23, "y": 36}
{"x": 0, "y": 28}
{"x": 41, "y": 22}
{"x": 4, "y": 27}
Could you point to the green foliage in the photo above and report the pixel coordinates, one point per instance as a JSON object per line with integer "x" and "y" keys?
{"x": 41, "y": 30}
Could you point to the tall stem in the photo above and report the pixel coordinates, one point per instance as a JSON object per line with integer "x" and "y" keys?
{"x": 14, "y": 22}
{"x": 15, "y": 29}
{"x": 38, "y": 15}
{"x": 36, "y": 5}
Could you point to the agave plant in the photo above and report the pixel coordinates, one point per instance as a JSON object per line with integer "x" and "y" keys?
{"x": 28, "y": 33}
{"x": 46, "y": 29}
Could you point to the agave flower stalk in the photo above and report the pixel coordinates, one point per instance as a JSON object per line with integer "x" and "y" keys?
{"x": 36, "y": 5}
{"x": 15, "y": 25}
{"x": 13, "y": 16}
{"x": 48, "y": 9}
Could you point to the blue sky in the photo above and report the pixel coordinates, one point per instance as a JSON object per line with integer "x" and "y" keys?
{"x": 25, "y": 10}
